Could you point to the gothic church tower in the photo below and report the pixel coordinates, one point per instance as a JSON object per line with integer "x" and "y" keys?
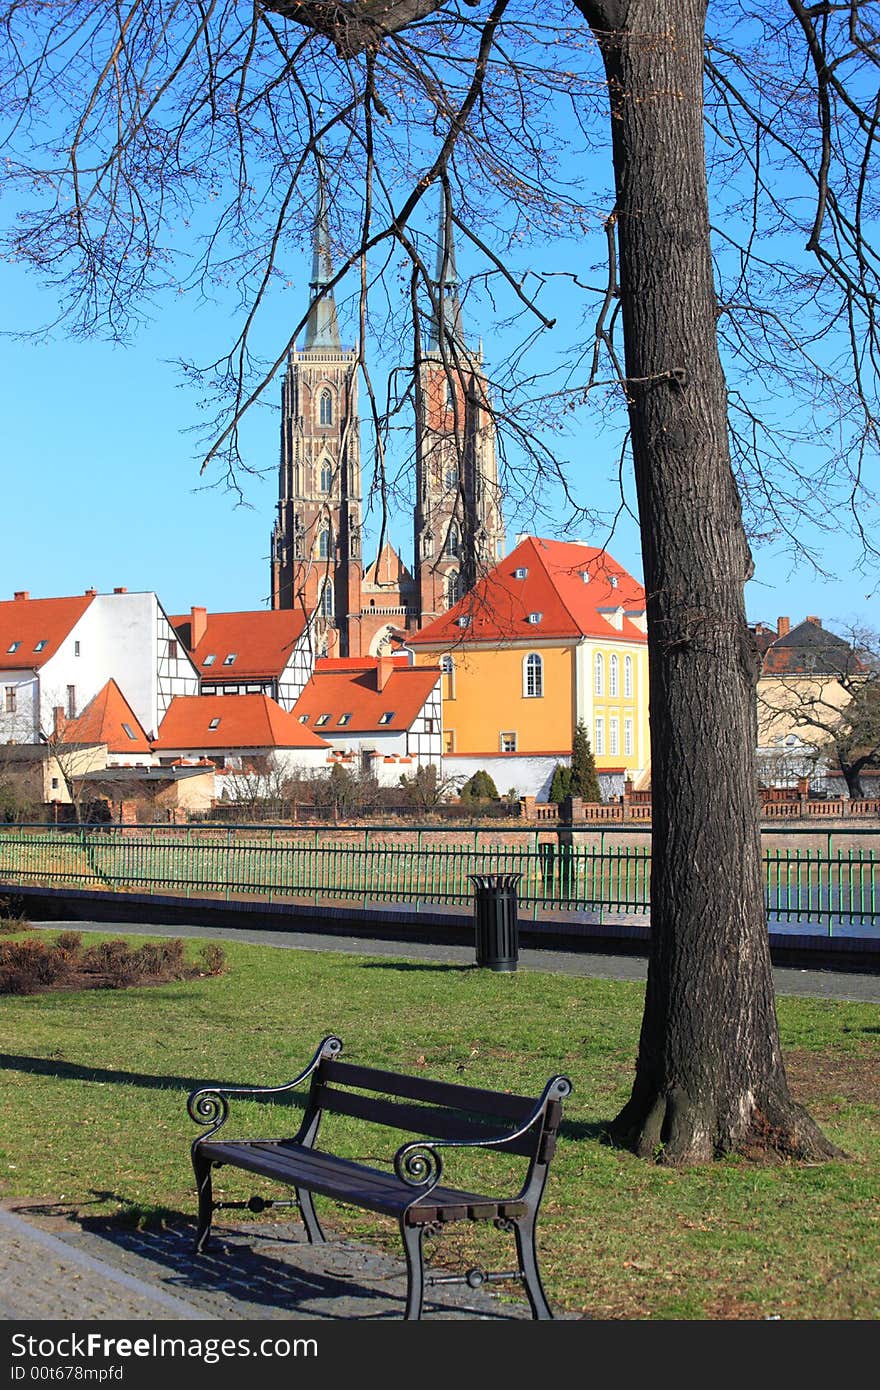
{"x": 316, "y": 542}
{"x": 459, "y": 527}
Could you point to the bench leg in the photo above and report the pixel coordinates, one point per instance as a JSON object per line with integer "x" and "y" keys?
{"x": 415, "y": 1271}
{"x": 310, "y": 1218}
{"x": 524, "y": 1232}
{"x": 205, "y": 1193}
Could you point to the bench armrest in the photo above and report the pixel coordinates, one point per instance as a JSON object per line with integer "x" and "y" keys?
{"x": 210, "y": 1106}
{"x": 419, "y": 1164}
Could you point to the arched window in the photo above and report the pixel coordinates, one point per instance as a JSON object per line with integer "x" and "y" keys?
{"x": 325, "y": 407}
{"x": 447, "y": 666}
{"x": 599, "y": 673}
{"x": 451, "y": 476}
{"x": 453, "y": 588}
{"x": 627, "y": 677}
{"x": 450, "y": 394}
{"x": 324, "y": 544}
{"x": 327, "y": 600}
{"x": 453, "y": 540}
{"x": 533, "y": 676}
{"x": 613, "y": 676}
{"x": 326, "y": 476}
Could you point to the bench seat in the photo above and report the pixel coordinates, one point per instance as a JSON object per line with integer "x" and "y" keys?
{"x": 358, "y": 1184}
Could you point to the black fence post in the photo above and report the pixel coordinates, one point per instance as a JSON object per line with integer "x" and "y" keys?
{"x": 496, "y": 925}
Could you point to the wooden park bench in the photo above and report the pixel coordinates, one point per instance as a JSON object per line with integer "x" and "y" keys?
{"x": 445, "y": 1116}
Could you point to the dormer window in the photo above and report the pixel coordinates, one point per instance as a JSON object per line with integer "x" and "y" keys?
{"x": 229, "y": 658}
{"x": 521, "y": 573}
{"x": 464, "y": 620}
{"x": 614, "y": 581}
{"x": 386, "y": 716}
{"x": 43, "y": 642}
{"x": 209, "y": 660}
{"x": 585, "y": 576}
{"x": 215, "y": 723}
{"x": 535, "y": 618}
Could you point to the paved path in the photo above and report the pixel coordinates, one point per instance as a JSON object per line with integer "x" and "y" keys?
{"x": 824, "y": 984}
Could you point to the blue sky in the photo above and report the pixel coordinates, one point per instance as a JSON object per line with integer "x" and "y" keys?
{"x": 101, "y": 483}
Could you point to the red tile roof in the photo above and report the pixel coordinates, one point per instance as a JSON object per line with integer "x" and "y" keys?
{"x": 31, "y": 621}
{"x": 343, "y": 685}
{"x": 553, "y": 587}
{"x": 104, "y": 720}
{"x": 245, "y": 721}
{"x": 262, "y": 643}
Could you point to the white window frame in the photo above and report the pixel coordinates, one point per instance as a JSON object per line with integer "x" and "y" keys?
{"x": 613, "y": 676}
{"x": 627, "y": 677}
{"x": 628, "y": 738}
{"x": 614, "y": 736}
{"x": 507, "y": 736}
{"x": 533, "y": 676}
{"x": 599, "y": 674}
{"x": 599, "y": 736}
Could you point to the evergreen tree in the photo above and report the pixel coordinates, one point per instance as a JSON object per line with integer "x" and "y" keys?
{"x": 584, "y": 782}
{"x": 480, "y": 787}
{"x": 560, "y": 787}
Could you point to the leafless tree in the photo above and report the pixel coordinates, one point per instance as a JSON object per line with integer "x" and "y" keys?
{"x": 171, "y": 145}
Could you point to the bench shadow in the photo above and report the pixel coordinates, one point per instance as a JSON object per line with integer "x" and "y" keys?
{"x": 270, "y": 1267}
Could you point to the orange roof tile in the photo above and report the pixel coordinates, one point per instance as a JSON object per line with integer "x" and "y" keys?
{"x": 27, "y": 624}
{"x": 349, "y": 686}
{"x": 108, "y": 718}
{"x": 243, "y": 721}
{"x": 553, "y": 587}
{"x": 261, "y": 642}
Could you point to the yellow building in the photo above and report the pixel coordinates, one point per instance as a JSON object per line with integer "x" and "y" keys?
{"x": 555, "y": 633}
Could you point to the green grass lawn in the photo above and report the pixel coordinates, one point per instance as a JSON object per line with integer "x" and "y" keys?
{"x": 93, "y": 1117}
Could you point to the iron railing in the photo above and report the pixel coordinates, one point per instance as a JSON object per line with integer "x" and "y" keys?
{"x": 418, "y": 868}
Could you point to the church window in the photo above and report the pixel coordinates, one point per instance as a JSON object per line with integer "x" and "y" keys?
{"x": 453, "y": 588}
{"x": 325, "y": 408}
{"x": 452, "y": 475}
{"x": 613, "y": 676}
{"x": 324, "y": 544}
{"x": 533, "y": 676}
{"x": 453, "y": 540}
{"x": 450, "y": 394}
{"x": 327, "y": 601}
{"x": 326, "y": 476}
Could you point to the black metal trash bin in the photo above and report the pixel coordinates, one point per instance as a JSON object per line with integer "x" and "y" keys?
{"x": 495, "y": 920}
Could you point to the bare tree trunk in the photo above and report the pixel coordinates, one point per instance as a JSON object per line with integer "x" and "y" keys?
{"x": 709, "y": 1075}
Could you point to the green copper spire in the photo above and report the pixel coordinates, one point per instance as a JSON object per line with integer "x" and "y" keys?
{"x": 446, "y": 317}
{"x": 322, "y": 328}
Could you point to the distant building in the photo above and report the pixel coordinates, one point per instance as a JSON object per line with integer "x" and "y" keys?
{"x": 250, "y": 653}
{"x": 554, "y": 634}
{"x": 247, "y": 731}
{"x": 56, "y": 654}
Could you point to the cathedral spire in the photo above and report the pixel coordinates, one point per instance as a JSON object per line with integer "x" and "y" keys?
{"x": 446, "y": 327}
{"x": 322, "y": 328}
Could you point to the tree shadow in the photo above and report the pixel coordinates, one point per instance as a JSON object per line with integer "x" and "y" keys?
{"x": 74, "y": 1071}
{"x": 432, "y": 967}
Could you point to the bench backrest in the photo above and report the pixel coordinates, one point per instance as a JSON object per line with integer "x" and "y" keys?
{"x": 434, "y": 1109}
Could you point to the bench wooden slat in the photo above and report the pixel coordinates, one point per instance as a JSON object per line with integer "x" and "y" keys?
{"x": 358, "y": 1184}
{"x": 466, "y": 1098}
{"x": 418, "y": 1119}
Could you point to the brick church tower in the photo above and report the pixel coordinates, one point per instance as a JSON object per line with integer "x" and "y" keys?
{"x": 316, "y": 541}
{"x": 459, "y": 527}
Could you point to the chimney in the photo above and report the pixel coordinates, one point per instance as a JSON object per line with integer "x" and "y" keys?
{"x": 57, "y": 719}
{"x": 198, "y": 626}
{"x": 783, "y": 627}
{"x": 814, "y": 620}
{"x": 384, "y": 670}
{"x": 20, "y": 595}
{"x": 120, "y": 591}
{"x": 91, "y": 593}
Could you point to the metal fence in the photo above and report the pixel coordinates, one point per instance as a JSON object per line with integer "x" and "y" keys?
{"x": 367, "y": 866}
